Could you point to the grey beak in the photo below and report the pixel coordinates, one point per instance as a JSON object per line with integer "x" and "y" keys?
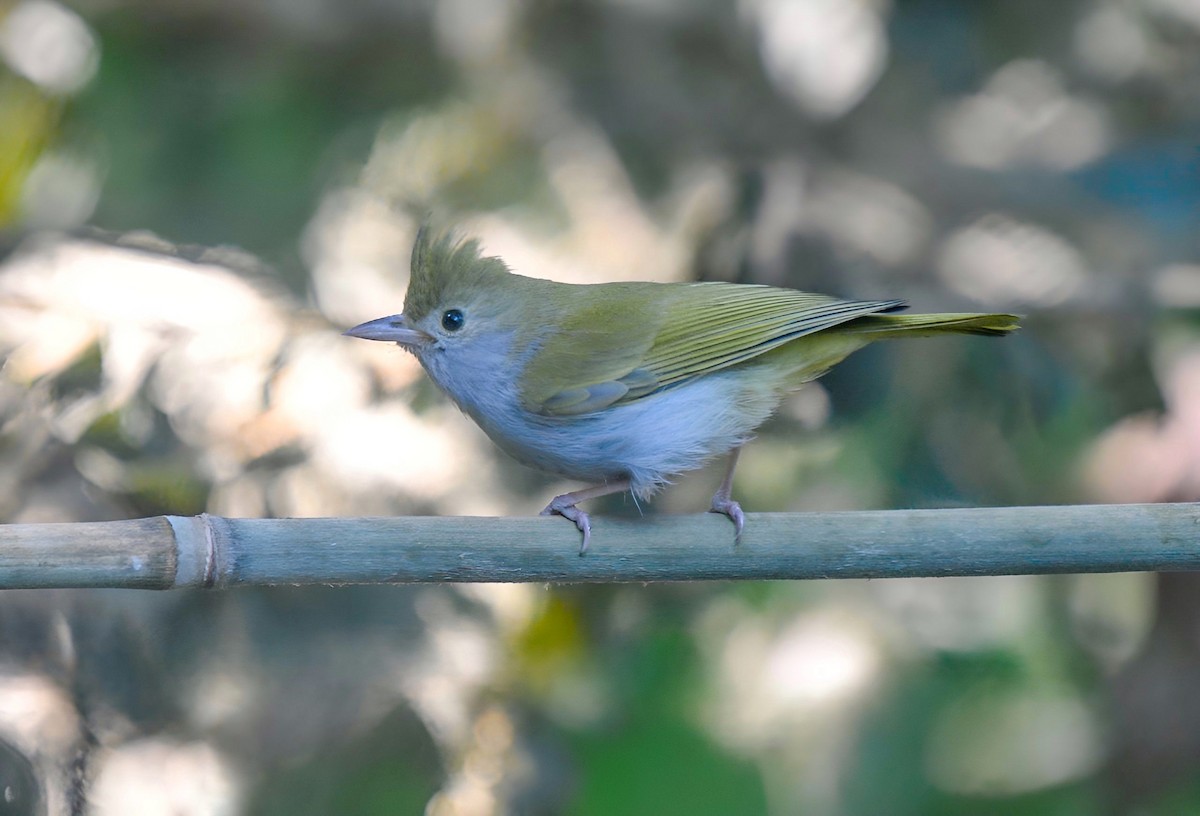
{"x": 393, "y": 328}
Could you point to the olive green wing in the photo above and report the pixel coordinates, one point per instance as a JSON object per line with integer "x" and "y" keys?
{"x": 728, "y": 324}
{"x": 633, "y": 340}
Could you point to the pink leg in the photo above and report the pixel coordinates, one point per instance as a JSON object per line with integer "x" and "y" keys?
{"x": 722, "y": 503}
{"x": 564, "y": 506}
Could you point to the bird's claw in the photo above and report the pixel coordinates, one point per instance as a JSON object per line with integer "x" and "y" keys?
{"x": 570, "y": 511}
{"x": 728, "y": 507}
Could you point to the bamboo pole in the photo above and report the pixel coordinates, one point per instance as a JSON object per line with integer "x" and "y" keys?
{"x": 165, "y": 552}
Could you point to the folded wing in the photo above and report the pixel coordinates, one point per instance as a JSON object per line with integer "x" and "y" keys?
{"x": 622, "y": 348}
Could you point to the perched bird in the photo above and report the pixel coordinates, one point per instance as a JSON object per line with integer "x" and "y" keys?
{"x": 625, "y": 385}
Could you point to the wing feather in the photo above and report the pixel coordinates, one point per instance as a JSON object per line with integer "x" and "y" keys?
{"x": 737, "y": 323}
{"x": 624, "y": 348}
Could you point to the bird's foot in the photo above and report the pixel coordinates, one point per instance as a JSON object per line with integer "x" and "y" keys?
{"x": 565, "y": 506}
{"x": 728, "y": 507}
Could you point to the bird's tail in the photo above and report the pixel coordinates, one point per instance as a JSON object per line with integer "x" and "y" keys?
{"x": 884, "y": 326}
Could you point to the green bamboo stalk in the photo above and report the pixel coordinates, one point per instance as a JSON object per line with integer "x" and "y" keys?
{"x": 166, "y": 552}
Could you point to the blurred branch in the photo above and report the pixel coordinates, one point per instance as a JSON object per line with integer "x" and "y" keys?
{"x": 210, "y": 551}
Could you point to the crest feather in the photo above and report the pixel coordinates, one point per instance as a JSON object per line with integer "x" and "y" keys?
{"x": 445, "y": 266}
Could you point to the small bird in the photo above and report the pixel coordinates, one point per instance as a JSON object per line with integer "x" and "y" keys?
{"x": 625, "y": 385}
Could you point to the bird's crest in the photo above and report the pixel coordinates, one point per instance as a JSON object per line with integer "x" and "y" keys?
{"x": 445, "y": 267}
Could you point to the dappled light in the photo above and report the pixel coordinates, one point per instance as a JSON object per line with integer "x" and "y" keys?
{"x": 50, "y": 45}
{"x": 997, "y": 258}
{"x": 1024, "y": 116}
{"x": 196, "y": 199}
{"x": 1151, "y": 457}
{"x": 997, "y": 742}
{"x": 825, "y": 54}
{"x": 161, "y": 776}
{"x": 810, "y": 666}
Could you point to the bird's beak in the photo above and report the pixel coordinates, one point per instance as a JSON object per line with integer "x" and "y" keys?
{"x": 393, "y": 328}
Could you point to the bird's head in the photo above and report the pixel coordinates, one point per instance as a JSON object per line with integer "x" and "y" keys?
{"x": 455, "y": 297}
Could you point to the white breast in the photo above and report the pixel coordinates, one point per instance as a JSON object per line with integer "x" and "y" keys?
{"x": 648, "y": 440}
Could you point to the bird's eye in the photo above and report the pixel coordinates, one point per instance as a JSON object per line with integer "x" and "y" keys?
{"x": 452, "y": 320}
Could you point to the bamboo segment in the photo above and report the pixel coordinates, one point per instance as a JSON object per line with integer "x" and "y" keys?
{"x": 211, "y": 551}
{"x": 139, "y": 553}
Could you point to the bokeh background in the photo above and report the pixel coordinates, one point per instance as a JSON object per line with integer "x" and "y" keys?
{"x": 196, "y": 196}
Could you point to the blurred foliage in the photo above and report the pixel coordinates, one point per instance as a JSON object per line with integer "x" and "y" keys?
{"x": 195, "y": 197}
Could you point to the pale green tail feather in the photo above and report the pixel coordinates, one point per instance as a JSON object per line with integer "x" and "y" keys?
{"x": 924, "y": 325}
{"x": 808, "y": 357}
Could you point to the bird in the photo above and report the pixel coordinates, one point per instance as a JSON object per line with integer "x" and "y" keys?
{"x": 626, "y": 385}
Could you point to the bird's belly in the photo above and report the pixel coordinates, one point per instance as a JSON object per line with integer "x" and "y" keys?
{"x": 647, "y": 440}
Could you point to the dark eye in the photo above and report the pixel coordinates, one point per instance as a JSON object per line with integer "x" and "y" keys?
{"x": 452, "y": 320}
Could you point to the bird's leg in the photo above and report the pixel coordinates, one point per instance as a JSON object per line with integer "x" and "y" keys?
{"x": 564, "y": 506}
{"x": 721, "y": 501}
